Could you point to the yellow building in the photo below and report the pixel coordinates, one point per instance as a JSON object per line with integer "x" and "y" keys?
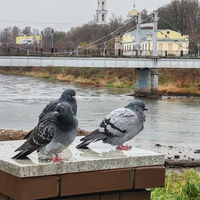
{"x": 169, "y": 42}
{"x": 28, "y": 39}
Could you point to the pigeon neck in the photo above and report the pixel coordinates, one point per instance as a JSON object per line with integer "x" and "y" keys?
{"x": 136, "y": 108}
{"x": 65, "y": 118}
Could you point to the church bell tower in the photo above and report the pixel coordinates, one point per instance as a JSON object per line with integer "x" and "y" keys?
{"x": 101, "y": 12}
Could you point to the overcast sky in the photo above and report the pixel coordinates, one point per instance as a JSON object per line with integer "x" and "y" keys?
{"x": 43, "y": 12}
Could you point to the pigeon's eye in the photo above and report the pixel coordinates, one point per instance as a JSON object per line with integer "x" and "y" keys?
{"x": 60, "y": 110}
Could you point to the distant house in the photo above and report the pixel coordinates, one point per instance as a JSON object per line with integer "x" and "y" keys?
{"x": 28, "y": 39}
{"x": 169, "y": 42}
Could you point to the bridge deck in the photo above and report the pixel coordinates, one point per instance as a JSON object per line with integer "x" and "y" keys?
{"x": 99, "y": 62}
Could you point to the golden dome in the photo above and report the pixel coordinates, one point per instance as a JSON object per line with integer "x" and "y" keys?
{"x": 132, "y": 13}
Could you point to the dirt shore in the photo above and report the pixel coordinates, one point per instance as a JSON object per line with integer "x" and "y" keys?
{"x": 6, "y": 135}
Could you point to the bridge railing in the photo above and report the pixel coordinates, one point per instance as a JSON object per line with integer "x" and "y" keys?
{"x": 6, "y": 50}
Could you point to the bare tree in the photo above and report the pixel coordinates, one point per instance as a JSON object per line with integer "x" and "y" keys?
{"x": 47, "y": 37}
{"x": 14, "y": 34}
{"x": 27, "y": 31}
{"x": 181, "y": 14}
{"x": 6, "y": 35}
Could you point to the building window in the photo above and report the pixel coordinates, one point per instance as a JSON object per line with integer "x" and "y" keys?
{"x": 170, "y": 47}
{"x": 180, "y": 47}
{"x": 103, "y": 5}
{"x": 160, "y": 46}
{"x": 103, "y": 17}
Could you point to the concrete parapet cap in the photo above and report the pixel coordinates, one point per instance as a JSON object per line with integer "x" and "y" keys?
{"x": 99, "y": 156}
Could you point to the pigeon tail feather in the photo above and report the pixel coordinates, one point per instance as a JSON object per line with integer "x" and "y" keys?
{"x": 93, "y": 137}
{"x": 23, "y": 153}
{"x": 28, "y": 134}
{"x": 25, "y": 150}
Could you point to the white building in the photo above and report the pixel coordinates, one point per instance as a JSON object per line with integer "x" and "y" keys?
{"x": 101, "y": 12}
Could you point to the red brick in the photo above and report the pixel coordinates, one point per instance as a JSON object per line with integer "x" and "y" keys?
{"x": 28, "y": 188}
{"x": 149, "y": 177}
{"x": 3, "y": 197}
{"x": 96, "y": 197}
{"x": 114, "y": 196}
{"x": 139, "y": 195}
{"x": 98, "y": 181}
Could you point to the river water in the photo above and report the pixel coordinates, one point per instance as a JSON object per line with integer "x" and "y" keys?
{"x": 23, "y": 98}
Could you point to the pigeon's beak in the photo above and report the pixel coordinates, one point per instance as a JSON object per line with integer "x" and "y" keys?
{"x": 145, "y": 109}
{"x": 56, "y": 112}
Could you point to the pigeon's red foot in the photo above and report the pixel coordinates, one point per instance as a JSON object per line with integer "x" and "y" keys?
{"x": 57, "y": 158}
{"x": 124, "y": 147}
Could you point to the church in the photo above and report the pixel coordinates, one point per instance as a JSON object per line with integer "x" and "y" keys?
{"x": 101, "y": 12}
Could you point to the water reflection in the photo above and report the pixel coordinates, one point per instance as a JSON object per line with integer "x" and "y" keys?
{"x": 23, "y": 98}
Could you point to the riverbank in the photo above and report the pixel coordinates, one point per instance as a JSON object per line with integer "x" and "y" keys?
{"x": 6, "y": 135}
{"x": 172, "y": 82}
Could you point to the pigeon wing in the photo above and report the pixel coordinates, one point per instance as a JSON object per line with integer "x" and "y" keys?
{"x": 50, "y": 107}
{"x": 44, "y": 131}
{"x": 40, "y": 136}
{"x": 118, "y": 123}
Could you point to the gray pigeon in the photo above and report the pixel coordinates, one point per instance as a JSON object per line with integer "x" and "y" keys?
{"x": 119, "y": 126}
{"x": 67, "y": 96}
{"x": 54, "y": 132}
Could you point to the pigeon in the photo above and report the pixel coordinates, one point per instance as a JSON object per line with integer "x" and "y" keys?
{"x": 54, "y": 132}
{"x": 119, "y": 126}
{"x": 67, "y": 96}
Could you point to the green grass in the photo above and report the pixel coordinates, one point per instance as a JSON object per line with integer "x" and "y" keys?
{"x": 110, "y": 85}
{"x": 184, "y": 186}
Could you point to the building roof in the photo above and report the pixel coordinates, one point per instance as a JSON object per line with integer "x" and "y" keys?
{"x": 144, "y": 34}
{"x": 162, "y": 33}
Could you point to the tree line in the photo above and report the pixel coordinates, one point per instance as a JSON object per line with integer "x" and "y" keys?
{"x": 179, "y": 15}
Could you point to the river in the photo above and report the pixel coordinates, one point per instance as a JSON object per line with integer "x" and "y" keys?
{"x": 22, "y": 99}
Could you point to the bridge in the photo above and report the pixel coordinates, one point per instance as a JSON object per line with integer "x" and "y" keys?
{"x": 115, "y": 62}
{"x": 146, "y": 69}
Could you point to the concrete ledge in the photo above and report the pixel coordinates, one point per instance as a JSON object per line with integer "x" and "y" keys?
{"x": 98, "y": 173}
{"x": 99, "y": 157}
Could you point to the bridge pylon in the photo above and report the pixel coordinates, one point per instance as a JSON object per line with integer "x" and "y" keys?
{"x": 145, "y": 79}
